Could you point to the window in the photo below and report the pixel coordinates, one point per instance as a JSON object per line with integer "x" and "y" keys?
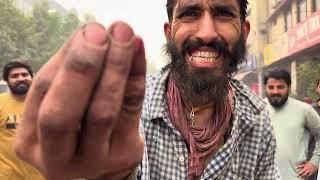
{"x": 287, "y": 20}
{"x": 302, "y": 10}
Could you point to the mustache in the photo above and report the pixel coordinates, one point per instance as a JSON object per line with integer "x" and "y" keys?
{"x": 276, "y": 95}
{"x": 220, "y": 46}
{"x": 21, "y": 83}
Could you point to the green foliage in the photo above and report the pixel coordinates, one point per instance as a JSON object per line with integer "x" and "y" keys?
{"x": 36, "y": 36}
{"x": 12, "y": 31}
{"x": 308, "y": 74}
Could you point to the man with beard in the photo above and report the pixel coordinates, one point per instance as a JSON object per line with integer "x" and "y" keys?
{"x": 18, "y": 77}
{"x": 293, "y": 122}
{"x": 196, "y": 121}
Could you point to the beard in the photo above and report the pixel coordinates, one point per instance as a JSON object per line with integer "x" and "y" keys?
{"x": 21, "y": 88}
{"x": 279, "y": 101}
{"x": 204, "y": 85}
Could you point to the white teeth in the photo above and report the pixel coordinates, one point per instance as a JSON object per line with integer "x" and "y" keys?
{"x": 203, "y": 56}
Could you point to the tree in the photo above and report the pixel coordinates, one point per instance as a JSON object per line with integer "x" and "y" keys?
{"x": 36, "y": 36}
{"x": 69, "y": 24}
{"x": 49, "y": 30}
{"x": 13, "y": 32}
{"x": 308, "y": 73}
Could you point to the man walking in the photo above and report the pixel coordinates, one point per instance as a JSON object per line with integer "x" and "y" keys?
{"x": 18, "y": 77}
{"x": 293, "y": 122}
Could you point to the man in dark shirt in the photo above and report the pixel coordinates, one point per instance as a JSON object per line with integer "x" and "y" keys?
{"x": 316, "y": 106}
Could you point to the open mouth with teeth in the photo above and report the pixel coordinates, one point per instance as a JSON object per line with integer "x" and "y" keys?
{"x": 204, "y": 58}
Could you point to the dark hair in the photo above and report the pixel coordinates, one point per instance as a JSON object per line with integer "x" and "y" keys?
{"x": 317, "y": 82}
{"x": 12, "y": 65}
{"x": 279, "y": 74}
{"x": 242, "y": 4}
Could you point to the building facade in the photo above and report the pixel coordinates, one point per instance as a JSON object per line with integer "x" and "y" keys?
{"x": 288, "y": 34}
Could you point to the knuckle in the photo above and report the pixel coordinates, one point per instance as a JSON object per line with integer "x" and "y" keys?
{"x": 121, "y": 64}
{"x": 133, "y": 99}
{"x": 132, "y": 104}
{"x": 41, "y": 84}
{"x": 55, "y": 123}
{"x": 20, "y": 150}
{"x": 82, "y": 63}
{"x": 101, "y": 116}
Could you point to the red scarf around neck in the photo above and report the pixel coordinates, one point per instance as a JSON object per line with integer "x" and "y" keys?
{"x": 201, "y": 142}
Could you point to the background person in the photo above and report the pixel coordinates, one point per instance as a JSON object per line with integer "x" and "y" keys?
{"x": 18, "y": 77}
{"x": 293, "y": 122}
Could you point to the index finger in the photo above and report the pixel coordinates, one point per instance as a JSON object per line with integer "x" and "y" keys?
{"x": 300, "y": 166}
{"x": 303, "y": 173}
{"x": 65, "y": 103}
{"x": 26, "y": 137}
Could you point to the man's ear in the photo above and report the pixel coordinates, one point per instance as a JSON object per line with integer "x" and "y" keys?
{"x": 167, "y": 31}
{"x": 245, "y": 29}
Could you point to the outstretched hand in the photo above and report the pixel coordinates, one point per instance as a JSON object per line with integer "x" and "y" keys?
{"x": 81, "y": 117}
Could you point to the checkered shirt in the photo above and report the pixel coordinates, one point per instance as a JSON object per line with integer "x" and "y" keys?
{"x": 247, "y": 154}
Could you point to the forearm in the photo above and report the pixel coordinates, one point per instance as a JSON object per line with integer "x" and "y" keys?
{"x": 315, "y": 158}
{"x": 313, "y": 125}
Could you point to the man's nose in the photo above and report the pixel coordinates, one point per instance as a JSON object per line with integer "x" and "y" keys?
{"x": 275, "y": 91}
{"x": 206, "y": 28}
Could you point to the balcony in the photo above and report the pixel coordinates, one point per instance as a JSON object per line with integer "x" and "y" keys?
{"x": 276, "y": 7}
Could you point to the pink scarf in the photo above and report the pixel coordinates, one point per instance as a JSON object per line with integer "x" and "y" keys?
{"x": 201, "y": 142}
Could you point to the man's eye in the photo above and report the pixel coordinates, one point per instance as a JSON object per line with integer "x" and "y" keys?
{"x": 188, "y": 13}
{"x": 24, "y": 74}
{"x": 270, "y": 87}
{"x": 224, "y": 13}
{"x": 14, "y": 76}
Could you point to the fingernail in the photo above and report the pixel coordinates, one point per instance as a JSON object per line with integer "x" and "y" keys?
{"x": 95, "y": 33}
{"x": 121, "y": 32}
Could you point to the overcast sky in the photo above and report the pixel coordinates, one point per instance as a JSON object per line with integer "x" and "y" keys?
{"x": 145, "y": 16}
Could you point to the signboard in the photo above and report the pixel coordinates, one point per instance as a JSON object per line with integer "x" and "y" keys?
{"x": 305, "y": 34}
{"x": 268, "y": 55}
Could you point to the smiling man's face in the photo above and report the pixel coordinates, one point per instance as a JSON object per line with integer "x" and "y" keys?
{"x": 277, "y": 92}
{"x": 206, "y": 41}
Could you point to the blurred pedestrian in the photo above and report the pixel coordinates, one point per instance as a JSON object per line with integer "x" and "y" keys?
{"x": 316, "y": 103}
{"x": 18, "y": 77}
{"x": 312, "y": 141}
{"x": 308, "y": 100}
{"x": 293, "y": 122}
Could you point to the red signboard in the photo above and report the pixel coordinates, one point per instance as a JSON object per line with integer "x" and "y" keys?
{"x": 305, "y": 34}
